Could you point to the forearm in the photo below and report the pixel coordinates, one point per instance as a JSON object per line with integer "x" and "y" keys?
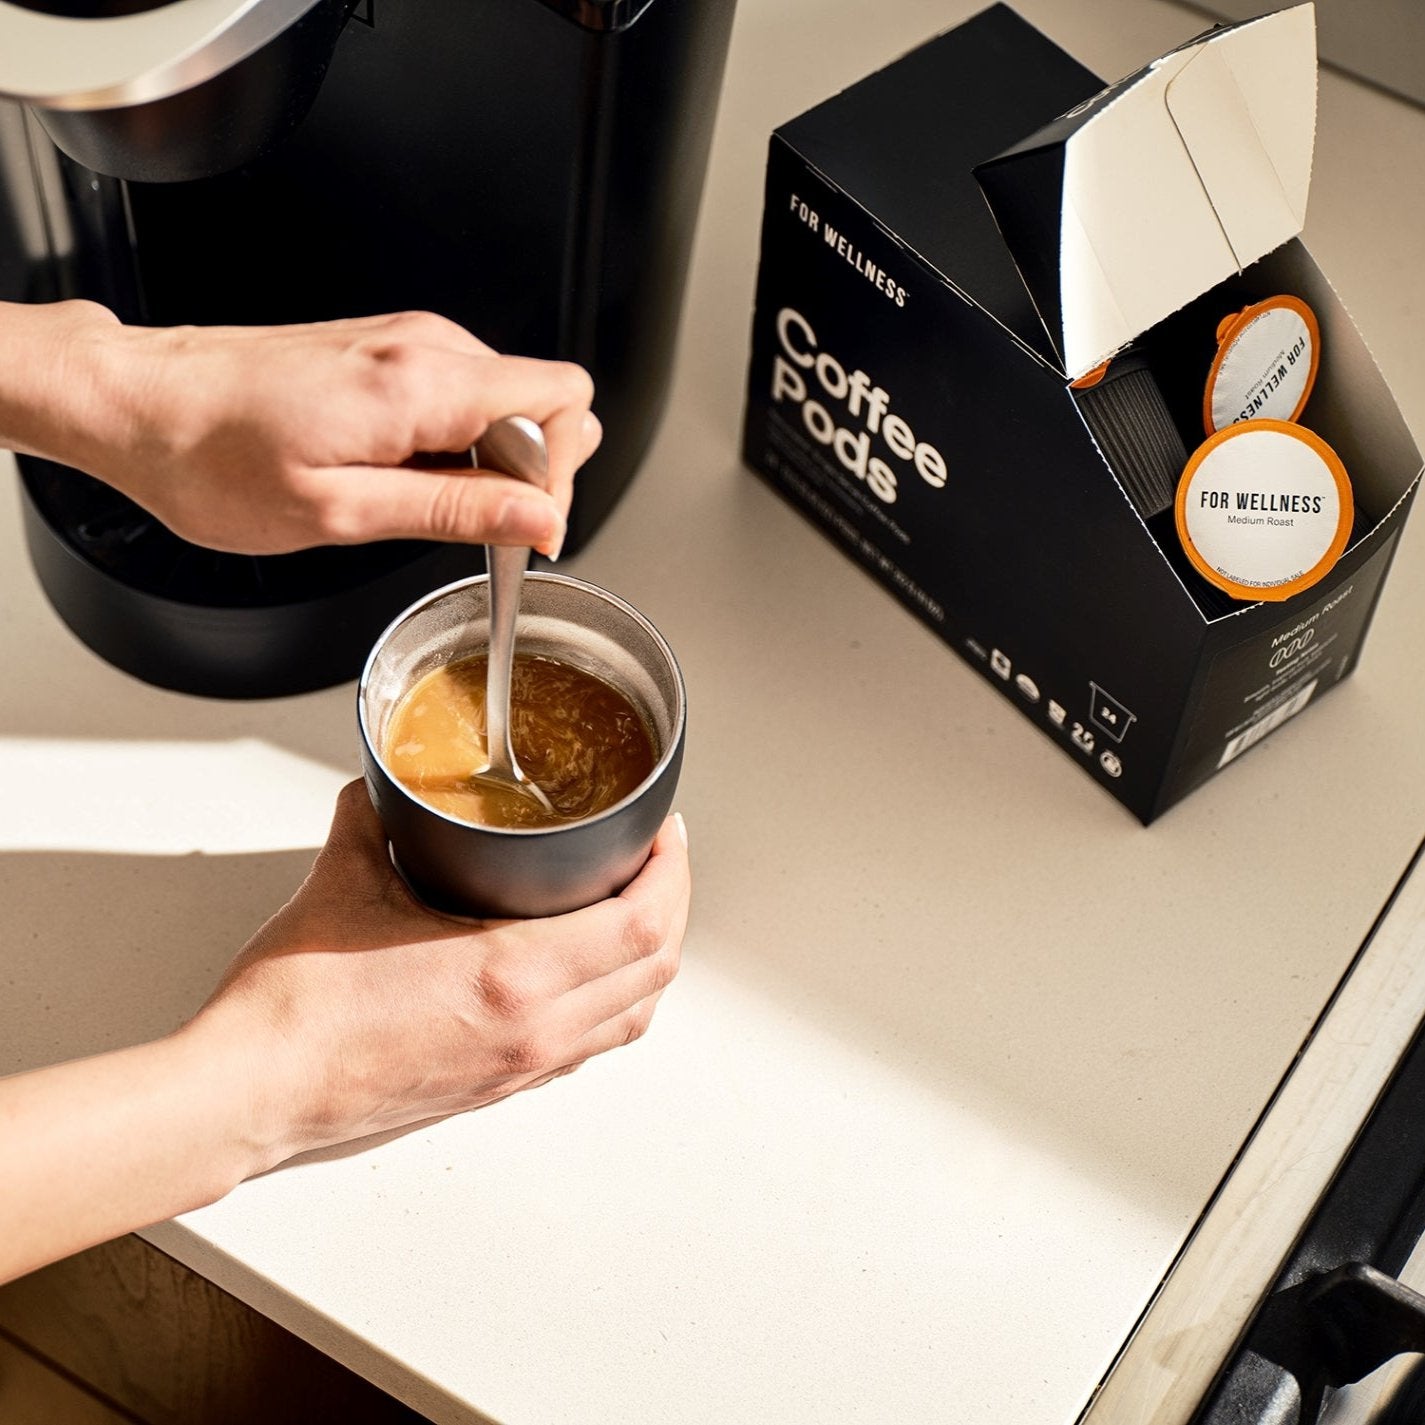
{"x": 100, "y": 1146}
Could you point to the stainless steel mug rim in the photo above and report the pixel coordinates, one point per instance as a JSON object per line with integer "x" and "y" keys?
{"x": 666, "y": 753}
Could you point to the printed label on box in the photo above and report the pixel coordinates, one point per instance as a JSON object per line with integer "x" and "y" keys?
{"x": 1256, "y": 686}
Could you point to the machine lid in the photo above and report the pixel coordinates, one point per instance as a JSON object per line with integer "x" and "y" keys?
{"x": 100, "y": 54}
{"x": 1129, "y": 206}
{"x": 66, "y": 62}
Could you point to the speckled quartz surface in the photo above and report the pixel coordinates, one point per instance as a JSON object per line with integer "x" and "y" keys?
{"x": 959, "y": 1050}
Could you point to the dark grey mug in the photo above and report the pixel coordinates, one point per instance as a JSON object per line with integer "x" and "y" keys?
{"x": 472, "y": 870}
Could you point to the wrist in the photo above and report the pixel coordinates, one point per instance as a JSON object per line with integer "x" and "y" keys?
{"x": 252, "y": 1078}
{"x": 61, "y": 375}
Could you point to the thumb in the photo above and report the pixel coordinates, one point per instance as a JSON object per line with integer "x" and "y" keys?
{"x": 356, "y": 831}
{"x": 455, "y": 508}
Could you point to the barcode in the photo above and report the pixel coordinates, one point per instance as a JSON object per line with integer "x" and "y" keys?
{"x": 1273, "y": 720}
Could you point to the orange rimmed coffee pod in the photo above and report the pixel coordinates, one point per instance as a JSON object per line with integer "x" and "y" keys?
{"x": 1264, "y": 509}
{"x": 1265, "y": 366}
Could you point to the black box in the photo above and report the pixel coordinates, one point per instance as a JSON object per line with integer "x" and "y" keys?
{"x": 911, "y": 397}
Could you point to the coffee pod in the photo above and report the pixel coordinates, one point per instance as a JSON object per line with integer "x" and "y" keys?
{"x": 1264, "y": 509}
{"x": 1123, "y": 408}
{"x": 1265, "y": 367}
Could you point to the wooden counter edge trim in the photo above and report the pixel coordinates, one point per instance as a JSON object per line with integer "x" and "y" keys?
{"x": 322, "y": 1332}
{"x": 150, "y": 1340}
{"x": 1246, "y": 1232}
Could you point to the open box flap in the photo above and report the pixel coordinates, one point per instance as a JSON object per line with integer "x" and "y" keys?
{"x": 1126, "y": 208}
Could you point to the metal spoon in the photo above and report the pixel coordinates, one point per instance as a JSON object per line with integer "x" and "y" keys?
{"x": 513, "y": 446}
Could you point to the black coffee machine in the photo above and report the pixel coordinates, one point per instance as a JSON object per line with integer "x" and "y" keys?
{"x": 529, "y": 168}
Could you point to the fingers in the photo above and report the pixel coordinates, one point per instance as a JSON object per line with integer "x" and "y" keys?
{"x": 399, "y": 503}
{"x": 551, "y": 984}
{"x": 598, "y": 1013}
{"x": 572, "y": 430}
{"x": 460, "y": 505}
{"x": 450, "y": 398}
{"x": 591, "y": 435}
{"x": 527, "y": 386}
{"x": 624, "y": 1028}
{"x": 571, "y": 435}
{"x": 447, "y": 397}
{"x": 649, "y": 914}
{"x": 617, "y": 1007}
{"x": 584, "y": 952}
{"x": 415, "y": 382}
{"x": 566, "y": 431}
{"x": 556, "y": 394}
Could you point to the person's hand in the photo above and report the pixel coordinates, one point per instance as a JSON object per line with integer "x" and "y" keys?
{"x": 362, "y": 1011}
{"x": 353, "y": 1011}
{"x": 262, "y": 440}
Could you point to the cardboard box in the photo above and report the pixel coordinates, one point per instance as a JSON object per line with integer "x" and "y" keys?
{"x": 1379, "y": 40}
{"x": 913, "y": 354}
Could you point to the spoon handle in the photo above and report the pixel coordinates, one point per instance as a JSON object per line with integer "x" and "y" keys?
{"x": 507, "y": 566}
{"x": 513, "y": 446}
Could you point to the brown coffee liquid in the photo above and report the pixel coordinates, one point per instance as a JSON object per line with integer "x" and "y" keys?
{"x": 574, "y": 734}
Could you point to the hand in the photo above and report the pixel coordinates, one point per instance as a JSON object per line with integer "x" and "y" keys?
{"x": 353, "y": 1011}
{"x": 363, "y": 1011}
{"x": 261, "y": 440}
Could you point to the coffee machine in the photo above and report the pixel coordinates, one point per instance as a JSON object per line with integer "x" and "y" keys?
{"x": 529, "y": 168}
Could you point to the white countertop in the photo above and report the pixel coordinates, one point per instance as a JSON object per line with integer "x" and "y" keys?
{"x": 949, "y": 1072}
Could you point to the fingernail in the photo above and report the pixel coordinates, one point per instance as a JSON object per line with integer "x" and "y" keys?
{"x": 530, "y": 519}
{"x": 551, "y": 548}
{"x": 682, "y": 827}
